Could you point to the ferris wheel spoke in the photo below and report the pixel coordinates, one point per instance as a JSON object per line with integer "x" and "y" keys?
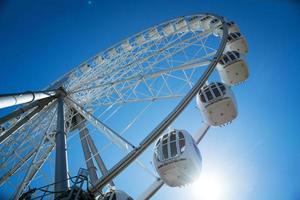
{"x": 132, "y": 87}
{"x": 122, "y": 164}
{"x": 42, "y": 152}
{"x": 20, "y": 123}
{"x": 103, "y": 128}
{"x": 182, "y": 44}
{"x": 28, "y": 137}
{"x": 159, "y": 66}
{"x": 16, "y": 167}
{"x": 35, "y": 166}
{"x": 21, "y": 159}
{"x": 17, "y": 113}
{"x": 151, "y": 99}
{"x": 192, "y": 64}
{"x": 128, "y": 63}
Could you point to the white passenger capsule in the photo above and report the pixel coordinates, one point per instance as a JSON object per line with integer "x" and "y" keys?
{"x": 217, "y": 104}
{"x": 181, "y": 26}
{"x": 154, "y": 34}
{"x": 236, "y": 42}
{"x": 231, "y": 26}
{"x": 72, "y": 76}
{"x": 168, "y": 29}
{"x": 177, "y": 158}
{"x": 126, "y": 46}
{"x": 215, "y": 23}
{"x": 99, "y": 60}
{"x": 84, "y": 68}
{"x": 205, "y": 22}
{"x": 140, "y": 39}
{"x": 195, "y": 23}
{"x": 112, "y": 53}
{"x": 232, "y": 68}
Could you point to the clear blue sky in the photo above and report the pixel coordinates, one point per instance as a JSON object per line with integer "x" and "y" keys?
{"x": 259, "y": 152}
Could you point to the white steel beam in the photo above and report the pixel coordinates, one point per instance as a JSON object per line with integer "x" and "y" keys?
{"x": 98, "y": 158}
{"x": 61, "y": 163}
{"x": 15, "y": 168}
{"x": 153, "y": 188}
{"x": 156, "y": 132}
{"x": 32, "y": 170}
{"x": 88, "y": 155}
{"x": 7, "y": 100}
{"x": 20, "y": 123}
{"x": 103, "y": 128}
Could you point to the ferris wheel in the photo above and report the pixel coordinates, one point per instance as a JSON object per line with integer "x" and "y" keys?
{"x": 141, "y": 84}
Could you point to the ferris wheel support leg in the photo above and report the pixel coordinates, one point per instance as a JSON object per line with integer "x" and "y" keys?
{"x": 98, "y": 158}
{"x": 61, "y": 165}
{"x": 7, "y": 100}
{"x": 103, "y": 128}
{"x": 88, "y": 156}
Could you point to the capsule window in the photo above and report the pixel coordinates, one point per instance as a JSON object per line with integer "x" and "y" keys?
{"x": 209, "y": 95}
{"x": 216, "y": 92}
{"x": 181, "y": 142}
{"x": 230, "y": 23}
{"x": 165, "y": 139}
{"x": 158, "y": 142}
{"x": 165, "y": 151}
{"x": 173, "y": 137}
{"x": 173, "y": 148}
{"x": 180, "y": 136}
{"x": 202, "y": 98}
{"x": 237, "y": 54}
{"x": 158, "y": 153}
{"x": 226, "y": 59}
{"x": 232, "y": 57}
{"x": 222, "y": 87}
{"x": 214, "y": 21}
{"x": 193, "y": 18}
{"x": 205, "y": 18}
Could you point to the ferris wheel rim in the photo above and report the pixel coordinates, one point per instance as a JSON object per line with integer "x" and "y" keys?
{"x": 53, "y": 86}
{"x": 154, "y": 134}
{"x": 212, "y": 62}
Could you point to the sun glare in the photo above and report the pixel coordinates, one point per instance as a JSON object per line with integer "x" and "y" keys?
{"x": 209, "y": 186}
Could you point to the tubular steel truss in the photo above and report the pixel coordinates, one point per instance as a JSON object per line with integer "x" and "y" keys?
{"x": 161, "y": 67}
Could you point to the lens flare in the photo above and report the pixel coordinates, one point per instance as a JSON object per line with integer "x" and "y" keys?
{"x": 209, "y": 186}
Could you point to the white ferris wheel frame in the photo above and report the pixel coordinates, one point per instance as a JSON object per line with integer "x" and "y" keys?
{"x": 37, "y": 103}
